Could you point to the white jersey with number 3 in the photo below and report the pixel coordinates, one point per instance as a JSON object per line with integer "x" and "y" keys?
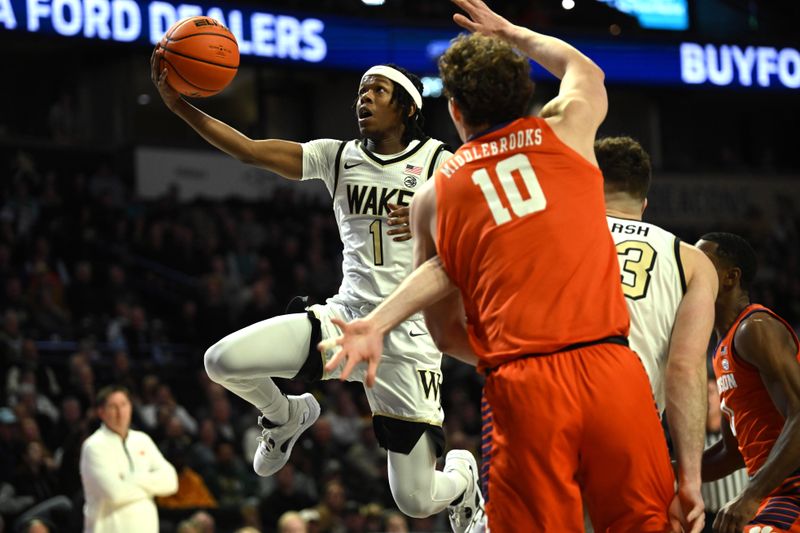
{"x": 362, "y": 185}
{"x": 654, "y": 284}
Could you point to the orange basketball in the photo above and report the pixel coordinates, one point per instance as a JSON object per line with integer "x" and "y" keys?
{"x": 201, "y": 56}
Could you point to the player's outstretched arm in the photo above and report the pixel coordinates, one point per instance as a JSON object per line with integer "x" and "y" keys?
{"x": 445, "y": 318}
{"x": 766, "y": 343}
{"x": 282, "y": 157}
{"x": 685, "y": 380}
{"x": 362, "y": 339}
{"x": 582, "y": 98}
{"x": 447, "y": 325}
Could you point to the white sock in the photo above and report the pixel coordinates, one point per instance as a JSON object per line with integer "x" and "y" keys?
{"x": 277, "y": 412}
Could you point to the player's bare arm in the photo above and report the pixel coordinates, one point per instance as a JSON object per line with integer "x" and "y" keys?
{"x": 685, "y": 379}
{"x": 766, "y": 343}
{"x": 362, "y": 339}
{"x": 445, "y": 318}
{"x": 581, "y": 104}
{"x": 447, "y": 324}
{"x": 282, "y": 157}
{"x": 723, "y": 457}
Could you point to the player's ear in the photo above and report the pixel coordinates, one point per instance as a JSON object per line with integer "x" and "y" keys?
{"x": 644, "y": 206}
{"x": 732, "y": 277}
{"x": 412, "y": 110}
{"x": 454, "y": 110}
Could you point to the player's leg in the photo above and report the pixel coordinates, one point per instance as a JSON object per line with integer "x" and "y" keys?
{"x": 407, "y": 418}
{"x": 419, "y": 490}
{"x": 625, "y": 467}
{"x": 534, "y": 431}
{"x": 244, "y": 363}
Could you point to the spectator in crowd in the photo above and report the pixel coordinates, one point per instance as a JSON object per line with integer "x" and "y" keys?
{"x": 10, "y": 443}
{"x": 201, "y": 452}
{"x": 287, "y": 496}
{"x": 39, "y": 407}
{"x": 221, "y": 415}
{"x": 122, "y": 373}
{"x": 333, "y": 507}
{"x": 16, "y": 300}
{"x": 395, "y": 522}
{"x": 122, "y": 469}
{"x": 35, "y": 478}
{"x": 366, "y": 460}
{"x": 230, "y": 480}
{"x": 199, "y": 522}
{"x": 72, "y": 430}
{"x": 291, "y": 522}
{"x": 193, "y": 493}
{"x": 36, "y": 525}
{"x": 11, "y": 503}
{"x": 166, "y": 407}
{"x": 29, "y": 361}
{"x": 36, "y": 475}
{"x": 11, "y": 340}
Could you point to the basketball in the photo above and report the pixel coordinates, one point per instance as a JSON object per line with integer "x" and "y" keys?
{"x": 201, "y": 56}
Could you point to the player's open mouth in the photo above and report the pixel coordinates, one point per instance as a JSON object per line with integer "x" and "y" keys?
{"x": 363, "y": 113}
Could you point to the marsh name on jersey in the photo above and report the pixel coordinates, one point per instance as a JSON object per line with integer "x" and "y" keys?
{"x": 630, "y": 229}
{"x": 514, "y": 141}
{"x": 370, "y": 200}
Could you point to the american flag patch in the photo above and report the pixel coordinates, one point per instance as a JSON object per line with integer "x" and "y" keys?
{"x": 411, "y": 169}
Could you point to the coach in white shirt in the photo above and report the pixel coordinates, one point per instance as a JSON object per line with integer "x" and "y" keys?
{"x": 122, "y": 470}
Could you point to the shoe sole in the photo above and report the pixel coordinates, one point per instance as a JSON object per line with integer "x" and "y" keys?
{"x": 313, "y": 414}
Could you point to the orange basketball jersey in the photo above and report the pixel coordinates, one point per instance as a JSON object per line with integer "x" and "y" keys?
{"x": 522, "y": 232}
{"x": 753, "y": 418}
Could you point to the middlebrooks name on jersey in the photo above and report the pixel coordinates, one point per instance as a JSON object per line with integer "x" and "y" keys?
{"x": 371, "y": 200}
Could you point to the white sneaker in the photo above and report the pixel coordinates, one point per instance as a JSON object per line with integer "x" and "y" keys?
{"x": 276, "y": 443}
{"x": 467, "y": 514}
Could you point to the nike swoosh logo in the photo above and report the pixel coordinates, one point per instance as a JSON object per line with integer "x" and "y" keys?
{"x": 416, "y": 333}
{"x": 348, "y": 166}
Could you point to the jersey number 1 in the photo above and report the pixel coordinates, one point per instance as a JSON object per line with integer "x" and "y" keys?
{"x": 505, "y": 170}
{"x": 376, "y": 230}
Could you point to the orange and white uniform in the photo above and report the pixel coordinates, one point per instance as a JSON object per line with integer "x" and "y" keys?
{"x": 522, "y": 232}
{"x": 756, "y": 424}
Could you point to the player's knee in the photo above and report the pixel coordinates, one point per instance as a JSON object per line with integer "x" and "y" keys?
{"x": 216, "y": 361}
{"x": 417, "y": 504}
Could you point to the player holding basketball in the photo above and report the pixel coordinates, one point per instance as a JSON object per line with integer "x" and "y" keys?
{"x": 517, "y": 218}
{"x": 670, "y": 288}
{"x": 757, "y": 366}
{"x": 371, "y": 181}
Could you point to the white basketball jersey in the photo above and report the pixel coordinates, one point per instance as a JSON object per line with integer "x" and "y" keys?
{"x": 362, "y": 185}
{"x": 653, "y": 282}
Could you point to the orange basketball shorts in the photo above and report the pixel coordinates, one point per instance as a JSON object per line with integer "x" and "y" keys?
{"x": 581, "y": 421}
{"x": 780, "y": 511}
